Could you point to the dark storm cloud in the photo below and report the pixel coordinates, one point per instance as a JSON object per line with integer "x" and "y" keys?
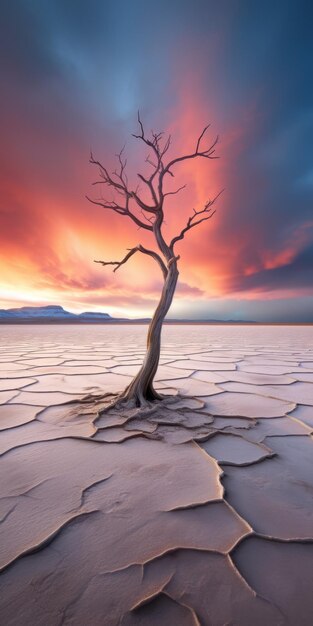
{"x": 292, "y": 276}
{"x": 269, "y": 55}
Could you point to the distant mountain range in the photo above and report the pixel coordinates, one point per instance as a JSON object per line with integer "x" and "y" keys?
{"x": 53, "y": 314}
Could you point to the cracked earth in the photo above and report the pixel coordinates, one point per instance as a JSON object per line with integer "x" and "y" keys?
{"x": 196, "y": 512}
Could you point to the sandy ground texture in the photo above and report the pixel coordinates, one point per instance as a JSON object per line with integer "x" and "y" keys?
{"x": 198, "y": 512}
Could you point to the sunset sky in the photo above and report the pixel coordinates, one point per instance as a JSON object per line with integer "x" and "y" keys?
{"x": 73, "y": 75}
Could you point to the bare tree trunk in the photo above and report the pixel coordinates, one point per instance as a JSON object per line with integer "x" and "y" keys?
{"x": 141, "y": 392}
{"x": 141, "y": 388}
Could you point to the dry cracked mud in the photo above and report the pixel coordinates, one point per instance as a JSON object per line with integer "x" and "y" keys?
{"x": 197, "y": 511}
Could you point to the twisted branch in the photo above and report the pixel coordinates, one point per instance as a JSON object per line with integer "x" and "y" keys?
{"x": 207, "y": 212}
{"x": 105, "y": 204}
{"x": 152, "y": 216}
{"x": 133, "y": 251}
{"x": 119, "y": 182}
{"x": 208, "y": 153}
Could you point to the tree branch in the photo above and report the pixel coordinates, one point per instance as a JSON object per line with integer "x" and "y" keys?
{"x": 133, "y": 251}
{"x": 173, "y": 193}
{"x": 113, "y": 206}
{"x": 158, "y": 167}
{"x": 207, "y": 212}
{"x": 152, "y": 214}
{"x": 208, "y": 153}
{"x": 120, "y": 182}
{"x": 148, "y": 182}
{"x": 154, "y": 143}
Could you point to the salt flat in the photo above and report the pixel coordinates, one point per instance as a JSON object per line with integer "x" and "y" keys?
{"x": 197, "y": 513}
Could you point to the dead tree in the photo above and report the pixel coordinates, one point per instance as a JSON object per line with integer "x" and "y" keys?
{"x": 149, "y": 215}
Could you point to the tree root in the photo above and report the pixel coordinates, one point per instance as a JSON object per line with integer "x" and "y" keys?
{"x": 125, "y": 401}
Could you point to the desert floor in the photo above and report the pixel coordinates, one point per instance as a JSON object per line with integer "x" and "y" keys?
{"x": 198, "y": 512}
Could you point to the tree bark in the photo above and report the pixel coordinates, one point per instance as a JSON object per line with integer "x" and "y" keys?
{"x": 141, "y": 390}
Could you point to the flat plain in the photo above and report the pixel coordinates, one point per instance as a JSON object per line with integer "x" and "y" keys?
{"x": 198, "y": 512}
